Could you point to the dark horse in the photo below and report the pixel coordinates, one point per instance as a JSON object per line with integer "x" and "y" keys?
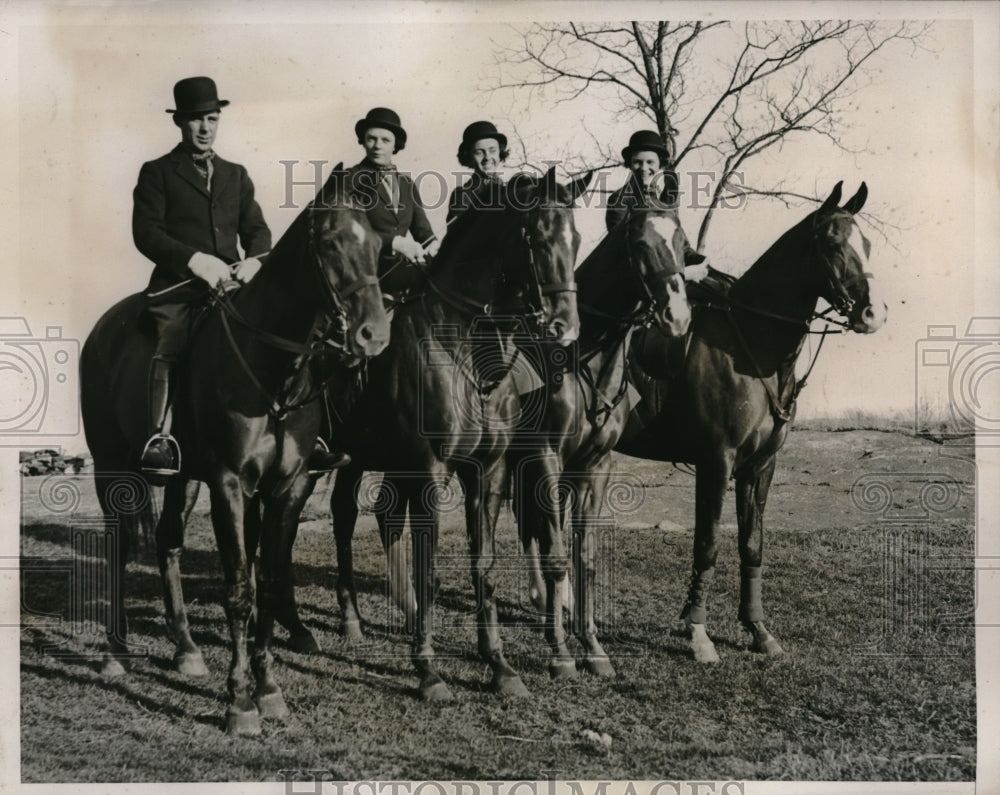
{"x": 728, "y": 408}
{"x": 442, "y": 400}
{"x": 247, "y": 415}
{"x": 561, "y": 466}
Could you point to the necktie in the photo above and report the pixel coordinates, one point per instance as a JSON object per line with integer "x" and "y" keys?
{"x": 203, "y": 163}
{"x": 391, "y": 185}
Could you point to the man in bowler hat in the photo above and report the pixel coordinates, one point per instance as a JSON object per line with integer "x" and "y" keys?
{"x": 190, "y": 208}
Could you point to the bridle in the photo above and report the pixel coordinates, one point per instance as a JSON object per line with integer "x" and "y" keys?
{"x": 645, "y": 313}
{"x": 320, "y": 342}
{"x": 534, "y": 289}
{"x": 841, "y": 301}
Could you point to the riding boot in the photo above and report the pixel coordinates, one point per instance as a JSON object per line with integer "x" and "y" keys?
{"x": 162, "y": 454}
{"x": 323, "y": 459}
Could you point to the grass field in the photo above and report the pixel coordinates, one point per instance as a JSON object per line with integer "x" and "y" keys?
{"x": 869, "y": 586}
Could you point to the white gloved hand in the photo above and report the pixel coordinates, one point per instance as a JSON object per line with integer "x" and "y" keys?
{"x": 209, "y": 268}
{"x": 246, "y": 269}
{"x": 695, "y": 273}
{"x": 431, "y": 248}
{"x": 408, "y": 247}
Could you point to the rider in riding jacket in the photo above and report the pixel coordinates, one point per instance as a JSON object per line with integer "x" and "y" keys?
{"x": 189, "y": 208}
{"x": 652, "y": 184}
{"x": 484, "y": 150}
{"x": 389, "y": 197}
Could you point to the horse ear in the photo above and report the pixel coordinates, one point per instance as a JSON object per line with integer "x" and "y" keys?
{"x": 857, "y": 201}
{"x": 578, "y": 186}
{"x": 339, "y": 166}
{"x": 833, "y": 199}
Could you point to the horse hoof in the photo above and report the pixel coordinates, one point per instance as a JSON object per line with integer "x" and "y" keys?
{"x": 242, "y": 721}
{"x": 600, "y": 666}
{"x": 303, "y": 643}
{"x": 434, "y": 689}
{"x": 352, "y": 631}
{"x": 272, "y": 705}
{"x": 112, "y": 668}
{"x": 190, "y": 663}
{"x": 563, "y": 669}
{"x": 767, "y": 645}
{"x": 705, "y": 652}
{"x": 510, "y": 685}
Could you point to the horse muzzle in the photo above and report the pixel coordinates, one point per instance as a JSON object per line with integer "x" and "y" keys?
{"x": 673, "y": 315}
{"x": 870, "y": 318}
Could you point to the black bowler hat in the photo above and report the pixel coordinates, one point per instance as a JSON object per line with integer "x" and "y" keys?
{"x": 196, "y": 95}
{"x": 646, "y": 141}
{"x": 387, "y": 120}
{"x": 483, "y": 129}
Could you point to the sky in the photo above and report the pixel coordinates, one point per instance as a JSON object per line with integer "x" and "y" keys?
{"x": 83, "y": 91}
{"x": 93, "y": 85}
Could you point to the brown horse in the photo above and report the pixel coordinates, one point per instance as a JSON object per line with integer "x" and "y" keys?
{"x": 246, "y": 417}
{"x": 561, "y": 467}
{"x": 728, "y": 408}
{"x": 442, "y": 400}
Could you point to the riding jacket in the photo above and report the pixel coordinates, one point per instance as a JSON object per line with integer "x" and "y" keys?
{"x": 389, "y": 218}
{"x": 175, "y": 214}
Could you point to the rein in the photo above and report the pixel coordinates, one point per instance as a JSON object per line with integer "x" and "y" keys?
{"x": 315, "y": 344}
{"x": 781, "y": 412}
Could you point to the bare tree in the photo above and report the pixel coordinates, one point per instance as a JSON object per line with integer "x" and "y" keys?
{"x": 721, "y": 94}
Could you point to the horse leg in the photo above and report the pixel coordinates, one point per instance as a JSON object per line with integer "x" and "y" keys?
{"x": 393, "y": 498}
{"x": 529, "y": 543}
{"x": 541, "y": 520}
{"x": 228, "y": 509}
{"x": 483, "y": 497}
{"x": 423, "y": 534}
{"x": 179, "y": 497}
{"x": 300, "y": 639}
{"x": 710, "y": 491}
{"x": 588, "y": 496}
{"x": 751, "y": 497}
{"x": 344, "y": 514}
{"x": 275, "y": 592}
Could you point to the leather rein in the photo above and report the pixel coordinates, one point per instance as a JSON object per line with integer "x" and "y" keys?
{"x": 317, "y": 343}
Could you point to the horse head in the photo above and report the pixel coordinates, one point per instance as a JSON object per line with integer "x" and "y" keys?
{"x": 546, "y": 248}
{"x": 346, "y": 249}
{"x": 846, "y": 281}
{"x": 655, "y": 245}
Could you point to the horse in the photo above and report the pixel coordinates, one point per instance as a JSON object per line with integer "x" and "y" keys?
{"x": 444, "y": 401}
{"x": 728, "y": 408}
{"x": 246, "y": 417}
{"x": 560, "y": 467}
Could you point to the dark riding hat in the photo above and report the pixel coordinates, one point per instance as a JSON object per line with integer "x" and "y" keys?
{"x": 196, "y": 95}
{"x": 646, "y": 141}
{"x": 386, "y": 119}
{"x": 483, "y": 129}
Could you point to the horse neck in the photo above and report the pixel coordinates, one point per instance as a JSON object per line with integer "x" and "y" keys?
{"x": 604, "y": 284}
{"x": 467, "y": 269}
{"x": 282, "y": 298}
